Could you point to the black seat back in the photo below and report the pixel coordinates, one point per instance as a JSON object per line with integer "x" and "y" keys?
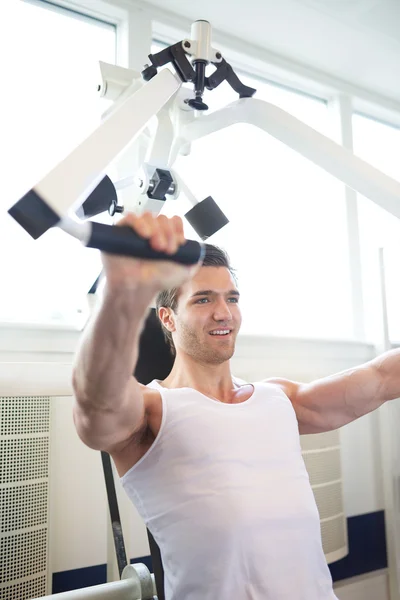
{"x": 155, "y": 362}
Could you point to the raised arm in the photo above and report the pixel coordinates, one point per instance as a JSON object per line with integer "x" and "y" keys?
{"x": 109, "y": 406}
{"x": 334, "y": 401}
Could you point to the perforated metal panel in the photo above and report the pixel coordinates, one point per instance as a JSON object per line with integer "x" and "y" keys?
{"x": 24, "y": 415}
{"x": 329, "y": 499}
{"x": 323, "y": 466}
{"x": 23, "y": 459}
{"x": 27, "y": 589}
{"x": 23, "y": 506}
{"x": 334, "y": 534}
{"x": 321, "y": 455}
{"x": 24, "y": 496}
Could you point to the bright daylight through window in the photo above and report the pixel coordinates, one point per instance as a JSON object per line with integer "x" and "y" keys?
{"x": 379, "y": 144}
{"x": 287, "y": 235}
{"x": 54, "y": 107}
{"x": 287, "y": 230}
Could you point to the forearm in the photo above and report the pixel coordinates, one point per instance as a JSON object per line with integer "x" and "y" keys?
{"x": 388, "y": 368}
{"x": 108, "y": 352}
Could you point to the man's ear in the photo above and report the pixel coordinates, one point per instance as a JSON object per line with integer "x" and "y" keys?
{"x": 166, "y": 316}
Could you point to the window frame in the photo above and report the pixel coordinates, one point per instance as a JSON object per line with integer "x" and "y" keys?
{"x": 267, "y": 66}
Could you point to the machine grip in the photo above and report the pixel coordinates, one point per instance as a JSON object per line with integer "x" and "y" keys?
{"x": 123, "y": 240}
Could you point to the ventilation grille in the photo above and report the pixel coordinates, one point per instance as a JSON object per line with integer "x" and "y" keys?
{"x": 319, "y": 441}
{"x": 24, "y": 490}
{"x": 23, "y": 506}
{"x": 334, "y": 535}
{"x": 329, "y": 500}
{"x": 323, "y": 467}
{"x": 23, "y": 459}
{"x": 22, "y": 554}
{"x": 24, "y": 415}
{"x": 34, "y": 588}
{"x": 321, "y": 453}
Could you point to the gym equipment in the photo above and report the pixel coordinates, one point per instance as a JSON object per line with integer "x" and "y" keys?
{"x": 181, "y": 120}
{"x": 155, "y": 362}
{"x": 79, "y": 187}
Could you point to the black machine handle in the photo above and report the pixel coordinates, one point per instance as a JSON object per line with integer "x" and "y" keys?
{"x": 124, "y": 241}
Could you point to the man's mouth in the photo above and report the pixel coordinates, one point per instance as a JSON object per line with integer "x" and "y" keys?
{"x": 220, "y": 332}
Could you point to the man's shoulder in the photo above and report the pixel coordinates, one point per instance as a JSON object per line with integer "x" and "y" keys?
{"x": 149, "y": 391}
{"x": 288, "y": 387}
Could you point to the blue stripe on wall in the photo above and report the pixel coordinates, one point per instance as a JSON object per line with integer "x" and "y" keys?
{"x": 79, "y": 578}
{"x": 367, "y": 546}
{"x": 88, "y": 576}
{"x": 367, "y": 552}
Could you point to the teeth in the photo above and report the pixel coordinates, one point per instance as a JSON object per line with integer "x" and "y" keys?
{"x": 221, "y": 332}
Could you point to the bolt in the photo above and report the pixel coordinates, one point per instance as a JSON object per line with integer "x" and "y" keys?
{"x": 187, "y": 44}
{"x": 218, "y": 55}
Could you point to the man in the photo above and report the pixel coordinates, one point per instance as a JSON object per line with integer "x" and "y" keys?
{"x": 213, "y": 464}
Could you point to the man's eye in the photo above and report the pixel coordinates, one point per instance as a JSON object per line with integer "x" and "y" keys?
{"x": 234, "y": 299}
{"x": 202, "y": 301}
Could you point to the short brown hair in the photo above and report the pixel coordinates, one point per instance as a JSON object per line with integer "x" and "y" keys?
{"x": 214, "y": 257}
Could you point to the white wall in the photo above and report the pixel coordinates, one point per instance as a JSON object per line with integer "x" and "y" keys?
{"x": 78, "y": 536}
{"x": 78, "y": 517}
{"x": 373, "y": 586}
{"x": 79, "y": 511}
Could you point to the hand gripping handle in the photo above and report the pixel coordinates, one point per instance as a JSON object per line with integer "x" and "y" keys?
{"x": 124, "y": 241}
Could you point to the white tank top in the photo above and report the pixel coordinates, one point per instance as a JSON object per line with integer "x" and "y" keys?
{"x": 226, "y": 495}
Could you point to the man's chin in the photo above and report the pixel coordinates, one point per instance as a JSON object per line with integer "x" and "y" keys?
{"x": 226, "y": 353}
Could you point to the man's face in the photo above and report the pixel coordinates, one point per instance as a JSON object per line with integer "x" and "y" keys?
{"x": 208, "y": 316}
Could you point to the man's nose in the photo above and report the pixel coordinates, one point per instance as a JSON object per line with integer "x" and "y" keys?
{"x": 222, "y": 311}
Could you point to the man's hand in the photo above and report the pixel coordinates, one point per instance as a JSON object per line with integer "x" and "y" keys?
{"x": 164, "y": 235}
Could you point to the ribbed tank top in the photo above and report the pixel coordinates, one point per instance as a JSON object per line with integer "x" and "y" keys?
{"x": 226, "y": 495}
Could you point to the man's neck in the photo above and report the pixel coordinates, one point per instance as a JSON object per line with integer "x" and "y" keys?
{"x": 211, "y": 380}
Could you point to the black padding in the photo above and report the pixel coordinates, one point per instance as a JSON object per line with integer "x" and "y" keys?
{"x": 98, "y": 201}
{"x": 158, "y": 569}
{"x": 206, "y": 218}
{"x": 34, "y": 214}
{"x": 155, "y": 359}
{"x": 155, "y": 362}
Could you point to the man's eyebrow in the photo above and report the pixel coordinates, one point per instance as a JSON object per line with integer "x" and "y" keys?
{"x": 210, "y": 292}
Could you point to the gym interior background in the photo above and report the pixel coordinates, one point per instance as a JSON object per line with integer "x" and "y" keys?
{"x": 306, "y": 249}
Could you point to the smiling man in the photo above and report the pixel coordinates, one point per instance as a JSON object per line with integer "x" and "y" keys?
{"x": 213, "y": 464}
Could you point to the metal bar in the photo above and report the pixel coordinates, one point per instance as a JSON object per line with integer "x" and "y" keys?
{"x": 73, "y": 179}
{"x": 324, "y": 152}
{"x": 114, "y": 513}
{"x": 116, "y": 590}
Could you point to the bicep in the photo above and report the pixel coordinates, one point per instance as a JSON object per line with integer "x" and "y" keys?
{"x": 110, "y": 428}
{"x": 307, "y": 419}
{"x": 307, "y": 405}
{"x": 335, "y": 401}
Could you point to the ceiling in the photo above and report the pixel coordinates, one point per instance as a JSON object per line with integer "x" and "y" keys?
{"x": 357, "y": 41}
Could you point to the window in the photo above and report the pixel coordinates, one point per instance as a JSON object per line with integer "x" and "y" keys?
{"x": 287, "y": 230}
{"x": 379, "y": 144}
{"x": 52, "y": 106}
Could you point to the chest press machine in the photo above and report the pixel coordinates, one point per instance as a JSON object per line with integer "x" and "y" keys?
{"x": 78, "y": 188}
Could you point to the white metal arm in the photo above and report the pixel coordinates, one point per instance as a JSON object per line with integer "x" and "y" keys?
{"x": 324, "y": 152}
{"x": 68, "y": 184}
{"x": 73, "y": 179}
